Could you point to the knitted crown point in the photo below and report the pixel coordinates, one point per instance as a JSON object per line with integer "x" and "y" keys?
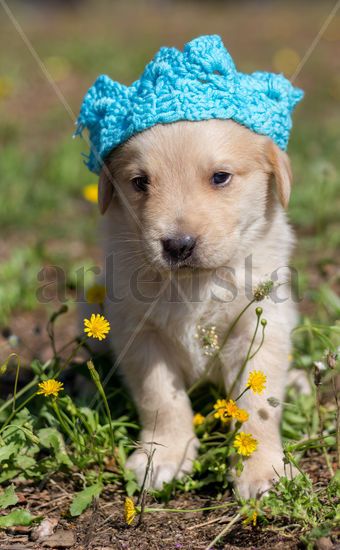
{"x": 200, "y": 83}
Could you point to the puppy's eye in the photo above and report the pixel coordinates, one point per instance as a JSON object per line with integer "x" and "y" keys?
{"x": 220, "y": 179}
{"x": 140, "y": 183}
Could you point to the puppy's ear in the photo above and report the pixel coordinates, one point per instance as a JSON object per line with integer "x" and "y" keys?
{"x": 282, "y": 172}
{"x": 105, "y": 189}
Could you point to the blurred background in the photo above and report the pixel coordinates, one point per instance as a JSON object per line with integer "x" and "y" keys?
{"x": 51, "y": 52}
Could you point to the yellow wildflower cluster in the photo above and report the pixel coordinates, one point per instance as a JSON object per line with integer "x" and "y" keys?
{"x": 97, "y": 326}
{"x": 225, "y": 410}
{"x": 50, "y": 387}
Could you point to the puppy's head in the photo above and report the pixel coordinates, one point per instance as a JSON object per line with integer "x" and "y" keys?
{"x": 196, "y": 193}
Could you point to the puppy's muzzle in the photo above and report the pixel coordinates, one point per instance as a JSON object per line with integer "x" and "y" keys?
{"x": 177, "y": 249}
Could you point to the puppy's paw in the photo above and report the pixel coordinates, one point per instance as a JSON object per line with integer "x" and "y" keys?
{"x": 259, "y": 474}
{"x": 169, "y": 462}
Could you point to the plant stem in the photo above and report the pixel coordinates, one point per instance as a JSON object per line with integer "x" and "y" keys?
{"x": 16, "y": 379}
{"x": 260, "y": 344}
{"x": 67, "y": 345}
{"x": 308, "y": 444}
{"x": 211, "y": 361}
{"x": 19, "y": 393}
{"x": 188, "y": 510}
{"x": 12, "y": 415}
{"x": 337, "y": 402}
{"x": 23, "y": 390}
{"x": 321, "y": 424}
{"x": 70, "y": 357}
{"x": 99, "y": 386}
{"x": 224, "y": 531}
{"x": 244, "y": 364}
{"x": 61, "y": 420}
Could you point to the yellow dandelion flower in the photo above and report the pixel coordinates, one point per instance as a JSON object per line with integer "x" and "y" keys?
{"x": 96, "y": 294}
{"x": 245, "y": 444}
{"x": 257, "y": 381}
{"x": 251, "y": 519}
{"x": 225, "y": 410}
{"x": 130, "y": 511}
{"x": 198, "y": 419}
{"x": 50, "y": 387}
{"x": 219, "y": 408}
{"x": 231, "y": 408}
{"x": 90, "y": 192}
{"x": 97, "y": 326}
{"x": 241, "y": 415}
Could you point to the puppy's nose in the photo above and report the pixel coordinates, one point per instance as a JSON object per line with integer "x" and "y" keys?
{"x": 179, "y": 248}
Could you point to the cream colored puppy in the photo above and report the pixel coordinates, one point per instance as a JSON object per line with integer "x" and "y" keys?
{"x": 194, "y": 220}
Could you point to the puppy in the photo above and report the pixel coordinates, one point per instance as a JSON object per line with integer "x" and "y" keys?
{"x": 194, "y": 220}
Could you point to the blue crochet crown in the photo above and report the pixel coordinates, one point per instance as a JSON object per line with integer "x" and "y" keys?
{"x": 199, "y": 83}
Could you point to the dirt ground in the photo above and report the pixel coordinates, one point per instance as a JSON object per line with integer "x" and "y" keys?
{"x": 102, "y": 526}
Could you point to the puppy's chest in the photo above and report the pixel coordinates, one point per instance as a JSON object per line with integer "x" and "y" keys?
{"x": 196, "y": 328}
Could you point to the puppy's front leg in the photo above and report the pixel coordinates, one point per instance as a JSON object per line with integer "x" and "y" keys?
{"x": 164, "y": 410}
{"x": 266, "y": 463}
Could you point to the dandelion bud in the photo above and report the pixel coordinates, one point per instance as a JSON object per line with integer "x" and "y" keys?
{"x": 63, "y": 309}
{"x": 263, "y": 322}
{"x": 3, "y": 368}
{"x": 273, "y": 402}
{"x": 259, "y": 311}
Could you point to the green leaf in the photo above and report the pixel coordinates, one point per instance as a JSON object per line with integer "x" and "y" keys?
{"x": 19, "y": 433}
{"x": 121, "y": 452}
{"x": 131, "y": 487}
{"x": 7, "y": 451}
{"x": 8, "y": 473}
{"x": 51, "y": 438}
{"x": 334, "y": 485}
{"x": 37, "y": 367}
{"x": 82, "y": 500}
{"x": 25, "y": 462}
{"x": 17, "y": 517}
{"x": 8, "y": 497}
